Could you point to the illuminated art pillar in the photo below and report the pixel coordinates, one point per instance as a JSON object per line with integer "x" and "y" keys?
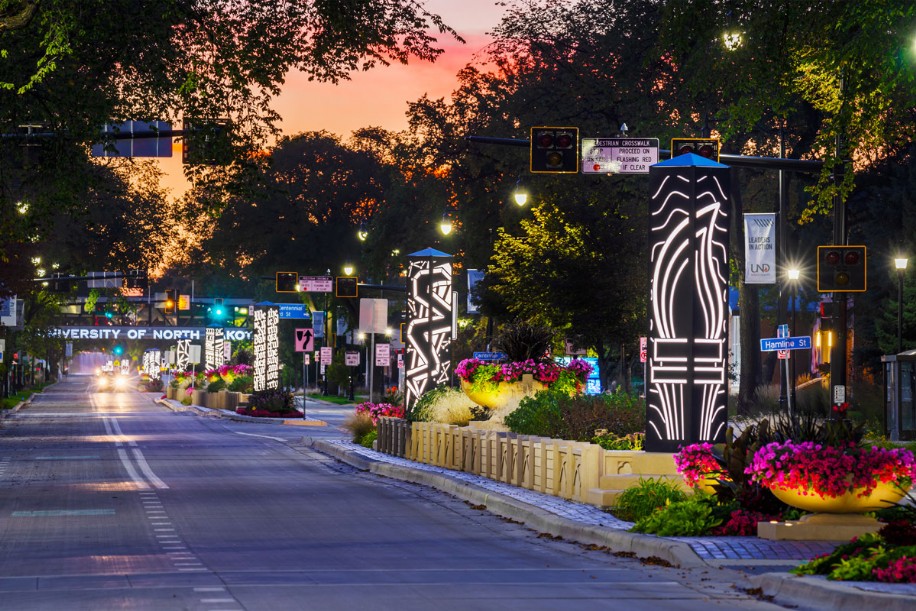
{"x": 429, "y": 321}
{"x": 214, "y": 351}
{"x": 686, "y": 395}
{"x": 266, "y": 346}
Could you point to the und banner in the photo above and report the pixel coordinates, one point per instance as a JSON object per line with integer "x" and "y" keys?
{"x": 760, "y": 248}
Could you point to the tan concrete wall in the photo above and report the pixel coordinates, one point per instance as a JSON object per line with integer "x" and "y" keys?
{"x": 573, "y": 470}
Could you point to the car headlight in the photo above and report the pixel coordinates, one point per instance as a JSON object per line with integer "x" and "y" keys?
{"x": 103, "y": 382}
{"x": 120, "y": 382}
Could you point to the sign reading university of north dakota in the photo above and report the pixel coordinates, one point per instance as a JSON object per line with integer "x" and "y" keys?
{"x": 151, "y": 334}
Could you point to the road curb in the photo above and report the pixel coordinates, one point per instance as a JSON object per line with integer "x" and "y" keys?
{"x": 677, "y": 553}
{"x": 229, "y": 415}
{"x": 818, "y": 594}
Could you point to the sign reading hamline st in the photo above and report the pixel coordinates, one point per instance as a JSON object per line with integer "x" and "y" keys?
{"x": 147, "y": 333}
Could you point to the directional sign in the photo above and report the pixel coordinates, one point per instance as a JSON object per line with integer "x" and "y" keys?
{"x": 316, "y": 284}
{"x": 785, "y": 343}
{"x": 305, "y": 340}
{"x": 351, "y": 358}
{"x": 297, "y": 311}
{"x": 618, "y": 155}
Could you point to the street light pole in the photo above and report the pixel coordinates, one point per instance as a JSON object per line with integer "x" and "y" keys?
{"x": 900, "y": 263}
{"x": 793, "y": 274}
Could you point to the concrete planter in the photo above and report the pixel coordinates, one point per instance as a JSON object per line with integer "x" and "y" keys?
{"x": 199, "y": 397}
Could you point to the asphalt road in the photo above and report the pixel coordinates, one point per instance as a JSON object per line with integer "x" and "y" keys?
{"x": 110, "y": 501}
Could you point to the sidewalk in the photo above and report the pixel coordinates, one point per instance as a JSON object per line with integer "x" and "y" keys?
{"x": 765, "y": 563}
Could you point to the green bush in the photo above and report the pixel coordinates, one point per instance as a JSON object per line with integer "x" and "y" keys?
{"x": 272, "y": 400}
{"x": 693, "y": 517}
{"x": 243, "y": 384}
{"x": 367, "y": 439}
{"x": 610, "y": 441}
{"x": 558, "y": 415}
{"x": 646, "y": 497}
{"x": 538, "y": 415}
{"x": 216, "y": 386}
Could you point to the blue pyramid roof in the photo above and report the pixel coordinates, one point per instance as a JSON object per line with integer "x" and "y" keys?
{"x": 430, "y": 252}
{"x": 689, "y": 160}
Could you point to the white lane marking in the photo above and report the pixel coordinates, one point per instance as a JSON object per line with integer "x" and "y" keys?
{"x": 209, "y": 589}
{"x": 144, "y": 466}
{"x": 110, "y": 432}
{"x": 217, "y": 600}
{"x": 119, "y": 432}
{"x": 131, "y": 472}
{"x": 163, "y": 530}
{"x": 264, "y": 436}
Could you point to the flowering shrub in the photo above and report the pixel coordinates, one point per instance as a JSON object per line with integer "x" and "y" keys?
{"x": 742, "y": 523}
{"x": 899, "y": 570}
{"x": 227, "y": 373}
{"x": 697, "y": 461}
{"x": 484, "y": 376}
{"x": 830, "y": 471}
{"x": 377, "y": 410}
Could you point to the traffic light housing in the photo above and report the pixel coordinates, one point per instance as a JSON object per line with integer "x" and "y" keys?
{"x": 554, "y": 150}
{"x": 171, "y": 301}
{"x": 841, "y": 269}
{"x": 287, "y": 282}
{"x": 217, "y": 312}
{"x": 118, "y": 350}
{"x": 346, "y": 286}
{"x": 704, "y": 147}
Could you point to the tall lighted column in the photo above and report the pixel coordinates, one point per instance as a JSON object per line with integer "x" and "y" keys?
{"x": 688, "y": 304}
{"x": 429, "y": 321}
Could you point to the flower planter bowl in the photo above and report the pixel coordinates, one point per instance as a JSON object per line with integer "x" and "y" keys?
{"x": 883, "y": 496}
{"x": 505, "y": 393}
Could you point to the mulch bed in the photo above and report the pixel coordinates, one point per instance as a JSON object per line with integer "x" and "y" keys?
{"x": 263, "y": 413}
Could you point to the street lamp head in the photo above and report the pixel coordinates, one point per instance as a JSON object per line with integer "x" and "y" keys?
{"x": 520, "y": 194}
{"x": 363, "y": 231}
{"x": 348, "y": 269}
{"x": 900, "y": 263}
{"x": 445, "y": 225}
{"x": 793, "y": 273}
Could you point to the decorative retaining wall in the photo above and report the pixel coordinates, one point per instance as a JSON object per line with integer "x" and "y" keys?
{"x": 572, "y": 470}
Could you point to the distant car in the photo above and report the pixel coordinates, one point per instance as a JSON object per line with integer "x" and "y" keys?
{"x": 110, "y": 381}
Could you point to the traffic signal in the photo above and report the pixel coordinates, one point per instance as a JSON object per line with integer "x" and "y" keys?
{"x": 554, "y": 150}
{"x": 841, "y": 269}
{"x": 217, "y": 311}
{"x": 118, "y": 350}
{"x": 704, "y": 147}
{"x": 346, "y": 286}
{"x": 171, "y": 301}
{"x": 206, "y": 142}
{"x": 287, "y": 282}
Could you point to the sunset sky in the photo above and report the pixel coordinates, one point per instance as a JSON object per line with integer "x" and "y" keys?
{"x": 379, "y": 97}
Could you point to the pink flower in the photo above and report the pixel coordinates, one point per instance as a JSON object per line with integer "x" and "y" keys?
{"x": 830, "y": 471}
{"x": 697, "y": 461}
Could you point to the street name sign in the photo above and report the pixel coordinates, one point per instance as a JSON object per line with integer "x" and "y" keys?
{"x": 802, "y": 342}
{"x": 618, "y": 155}
{"x": 490, "y": 356}
{"x": 295, "y": 311}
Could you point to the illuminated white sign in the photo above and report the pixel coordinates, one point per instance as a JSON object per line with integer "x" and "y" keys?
{"x": 266, "y": 346}
{"x": 214, "y": 351}
{"x": 618, "y": 155}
